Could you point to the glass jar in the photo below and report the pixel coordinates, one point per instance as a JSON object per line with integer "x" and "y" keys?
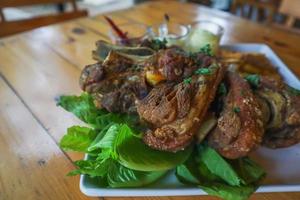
{"x": 173, "y": 33}
{"x": 204, "y": 33}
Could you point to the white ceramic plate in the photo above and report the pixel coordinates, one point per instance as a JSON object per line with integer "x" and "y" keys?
{"x": 282, "y": 165}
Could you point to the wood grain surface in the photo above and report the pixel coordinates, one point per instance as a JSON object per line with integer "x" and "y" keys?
{"x": 39, "y": 65}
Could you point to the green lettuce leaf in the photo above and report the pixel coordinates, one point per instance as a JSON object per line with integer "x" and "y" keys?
{"x": 218, "y": 165}
{"x": 101, "y": 142}
{"x": 228, "y": 192}
{"x": 108, "y": 140}
{"x": 186, "y": 175}
{"x": 91, "y": 168}
{"x": 81, "y": 106}
{"x": 84, "y": 108}
{"x": 248, "y": 170}
{"x": 111, "y": 173}
{"x": 77, "y": 139}
{"x": 95, "y": 145}
{"x": 120, "y": 176}
{"x": 195, "y": 171}
{"x": 212, "y": 185}
{"x": 133, "y": 153}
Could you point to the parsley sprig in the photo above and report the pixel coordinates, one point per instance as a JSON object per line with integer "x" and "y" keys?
{"x": 236, "y": 109}
{"x": 253, "y": 80}
{"x": 206, "y": 50}
{"x": 203, "y": 71}
{"x": 187, "y": 80}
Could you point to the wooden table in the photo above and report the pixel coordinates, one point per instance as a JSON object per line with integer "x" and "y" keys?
{"x": 37, "y": 66}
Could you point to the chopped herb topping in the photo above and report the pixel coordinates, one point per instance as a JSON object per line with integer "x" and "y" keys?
{"x": 187, "y": 80}
{"x": 203, "y": 71}
{"x": 222, "y": 90}
{"x": 157, "y": 44}
{"x": 195, "y": 58}
{"x": 293, "y": 91}
{"x": 236, "y": 109}
{"x": 206, "y": 50}
{"x": 253, "y": 80}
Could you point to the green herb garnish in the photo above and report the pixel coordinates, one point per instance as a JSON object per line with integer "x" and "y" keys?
{"x": 117, "y": 158}
{"x": 158, "y": 44}
{"x": 222, "y": 90}
{"x": 206, "y": 50}
{"x": 253, "y": 80}
{"x": 227, "y": 179}
{"x": 187, "y": 80}
{"x": 236, "y": 109}
{"x": 203, "y": 71}
{"x": 116, "y": 155}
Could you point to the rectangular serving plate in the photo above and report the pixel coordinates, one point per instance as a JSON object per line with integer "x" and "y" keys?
{"x": 282, "y": 165}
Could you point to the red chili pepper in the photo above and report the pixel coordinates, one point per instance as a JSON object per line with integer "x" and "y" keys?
{"x": 118, "y": 31}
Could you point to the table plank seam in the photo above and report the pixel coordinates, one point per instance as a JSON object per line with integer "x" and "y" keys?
{"x": 77, "y": 67}
{"x": 33, "y": 115}
{"x": 92, "y": 30}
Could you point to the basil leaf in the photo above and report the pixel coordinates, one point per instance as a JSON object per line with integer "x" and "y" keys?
{"x": 77, "y": 139}
{"x": 195, "y": 171}
{"x": 108, "y": 139}
{"x": 120, "y": 176}
{"x": 96, "y": 144}
{"x": 133, "y": 153}
{"x": 248, "y": 170}
{"x": 218, "y": 165}
{"x": 91, "y": 168}
{"x": 81, "y": 106}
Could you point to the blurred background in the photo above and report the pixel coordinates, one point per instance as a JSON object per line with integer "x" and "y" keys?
{"x": 281, "y": 13}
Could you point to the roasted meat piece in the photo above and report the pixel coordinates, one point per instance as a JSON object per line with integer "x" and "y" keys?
{"x": 91, "y": 76}
{"x": 175, "y": 113}
{"x": 165, "y": 103}
{"x": 283, "y": 122}
{"x": 174, "y": 64}
{"x": 116, "y": 84}
{"x": 249, "y": 63}
{"x": 240, "y": 126}
{"x": 120, "y": 80}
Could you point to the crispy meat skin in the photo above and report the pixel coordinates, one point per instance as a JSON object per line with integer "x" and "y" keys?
{"x": 283, "y": 127}
{"x": 177, "y": 134}
{"x": 115, "y": 83}
{"x": 175, "y": 64}
{"x": 119, "y": 81}
{"x": 165, "y": 103}
{"x": 240, "y": 126}
{"x": 91, "y": 75}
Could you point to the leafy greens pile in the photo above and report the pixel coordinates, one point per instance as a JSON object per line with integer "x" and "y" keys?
{"x": 117, "y": 157}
